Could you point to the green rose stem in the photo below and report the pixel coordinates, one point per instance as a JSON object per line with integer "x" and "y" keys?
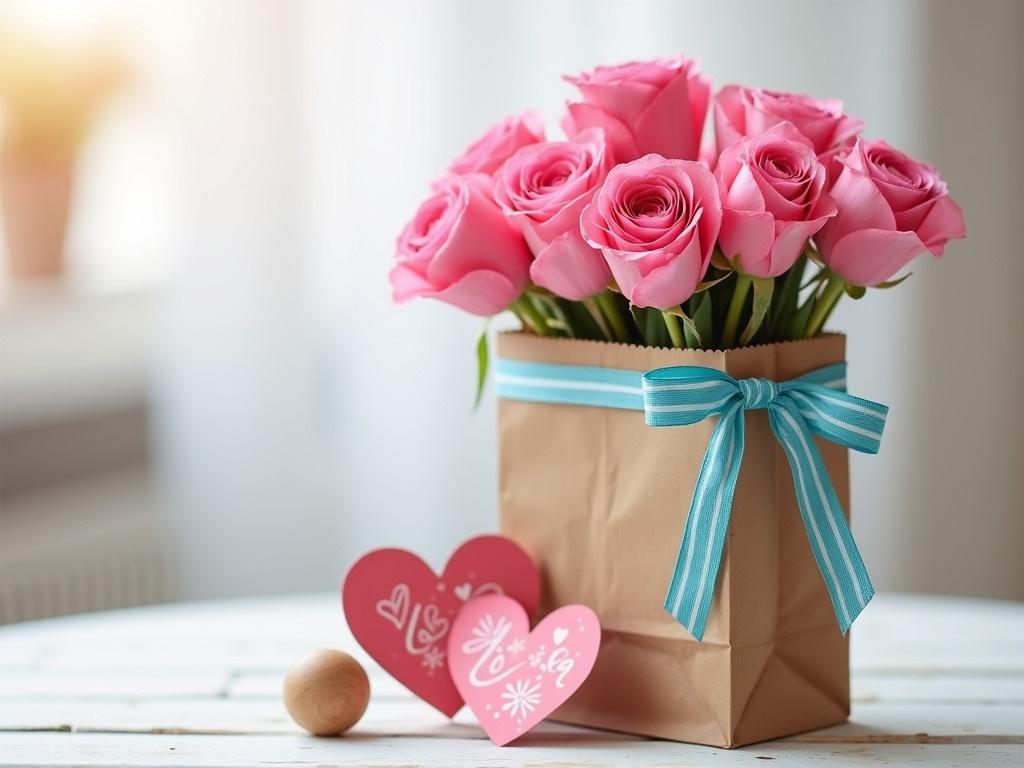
{"x": 530, "y": 316}
{"x": 614, "y": 316}
{"x": 834, "y": 288}
{"x": 675, "y": 330}
{"x": 732, "y": 317}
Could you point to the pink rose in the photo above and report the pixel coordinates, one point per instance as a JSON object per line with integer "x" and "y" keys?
{"x": 891, "y": 208}
{"x": 743, "y": 112}
{"x": 656, "y": 222}
{"x": 543, "y": 189}
{"x": 644, "y": 107}
{"x": 490, "y": 151}
{"x": 460, "y": 249}
{"x": 773, "y": 200}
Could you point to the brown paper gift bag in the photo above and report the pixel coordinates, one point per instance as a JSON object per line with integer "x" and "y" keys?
{"x": 600, "y": 500}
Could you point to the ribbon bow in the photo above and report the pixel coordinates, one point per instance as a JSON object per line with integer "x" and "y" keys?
{"x": 815, "y": 403}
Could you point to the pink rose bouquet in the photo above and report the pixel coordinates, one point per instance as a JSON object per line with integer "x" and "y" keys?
{"x": 620, "y": 233}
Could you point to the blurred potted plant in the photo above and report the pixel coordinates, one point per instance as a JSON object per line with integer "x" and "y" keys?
{"x": 50, "y": 95}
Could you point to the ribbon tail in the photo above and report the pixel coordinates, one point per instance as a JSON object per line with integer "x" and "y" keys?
{"x": 700, "y": 553}
{"x": 831, "y": 540}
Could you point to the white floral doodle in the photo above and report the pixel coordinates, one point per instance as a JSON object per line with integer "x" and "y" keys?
{"x": 521, "y": 698}
{"x": 487, "y": 628}
{"x": 517, "y": 646}
{"x": 487, "y": 640}
{"x": 422, "y": 625}
{"x": 433, "y": 659}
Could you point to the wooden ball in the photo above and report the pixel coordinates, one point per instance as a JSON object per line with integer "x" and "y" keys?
{"x": 326, "y": 692}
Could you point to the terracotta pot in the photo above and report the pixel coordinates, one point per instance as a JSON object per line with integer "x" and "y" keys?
{"x": 35, "y": 192}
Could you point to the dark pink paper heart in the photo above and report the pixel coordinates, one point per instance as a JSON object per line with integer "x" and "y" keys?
{"x": 401, "y": 612}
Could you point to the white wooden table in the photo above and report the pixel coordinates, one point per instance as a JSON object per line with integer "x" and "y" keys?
{"x": 936, "y": 681}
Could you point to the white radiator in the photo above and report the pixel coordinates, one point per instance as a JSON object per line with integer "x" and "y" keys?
{"x": 92, "y": 546}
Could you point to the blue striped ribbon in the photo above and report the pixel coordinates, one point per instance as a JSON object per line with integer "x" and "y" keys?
{"x": 815, "y": 403}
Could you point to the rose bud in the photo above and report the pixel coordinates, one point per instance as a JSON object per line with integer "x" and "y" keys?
{"x": 656, "y": 222}
{"x": 499, "y": 143}
{"x": 644, "y": 107}
{"x": 741, "y": 112}
{"x": 773, "y": 200}
{"x": 460, "y": 249}
{"x": 543, "y": 189}
{"x": 890, "y": 209}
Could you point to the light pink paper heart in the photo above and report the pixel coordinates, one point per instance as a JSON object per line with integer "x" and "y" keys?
{"x": 513, "y": 678}
{"x": 400, "y": 611}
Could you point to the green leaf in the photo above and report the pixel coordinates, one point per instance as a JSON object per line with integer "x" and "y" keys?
{"x": 814, "y": 256}
{"x": 688, "y": 325}
{"x": 855, "y": 291}
{"x": 892, "y": 283}
{"x": 652, "y": 326}
{"x": 784, "y": 304}
{"x": 763, "y": 289}
{"x": 580, "y": 320}
{"x": 701, "y": 308}
{"x": 482, "y": 359}
{"x": 799, "y": 321}
{"x": 536, "y": 290}
{"x": 703, "y": 286}
{"x": 718, "y": 260}
{"x": 815, "y": 279}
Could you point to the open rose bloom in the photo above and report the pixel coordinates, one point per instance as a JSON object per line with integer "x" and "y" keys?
{"x": 891, "y": 209}
{"x": 543, "y": 189}
{"x": 774, "y": 200}
{"x": 586, "y": 236}
{"x": 656, "y": 221}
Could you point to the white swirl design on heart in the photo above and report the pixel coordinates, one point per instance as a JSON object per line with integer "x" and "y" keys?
{"x": 396, "y": 608}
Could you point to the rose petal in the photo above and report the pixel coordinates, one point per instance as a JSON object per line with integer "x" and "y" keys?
{"x": 570, "y": 268}
{"x": 872, "y": 256}
{"x": 730, "y": 125}
{"x": 407, "y": 283}
{"x": 482, "y": 293}
{"x": 668, "y": 125}
{"x": 582, "y": 116}
{"x": 790, "y": 239}
{"x": 626, "y": 100}
{"x": 860, "y": 206}
{"x": 748, "y": 236}
{"x": 481, "y": 239}
{"x": 945, "y": 221}
{"x": 672, "y": 284}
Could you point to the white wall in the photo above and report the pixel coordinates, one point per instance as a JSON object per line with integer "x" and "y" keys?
{"x": 307, "y": 419}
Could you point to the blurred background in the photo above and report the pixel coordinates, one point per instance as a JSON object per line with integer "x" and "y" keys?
{"x": 199, "y": 360}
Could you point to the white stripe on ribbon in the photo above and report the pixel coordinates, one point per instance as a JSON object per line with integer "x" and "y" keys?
{"x": 810, "y": 517}
{"x": 828, "y": 507}
{"x": 852, "y": 406}
{"x": 589, "y": 386}
{"x": 681, "y": 387}
{"x": 716, "y": 515}
{"x": 687, "y": 407}
{"x": 695, "y": 507}
{"x": 870, "y": 434}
